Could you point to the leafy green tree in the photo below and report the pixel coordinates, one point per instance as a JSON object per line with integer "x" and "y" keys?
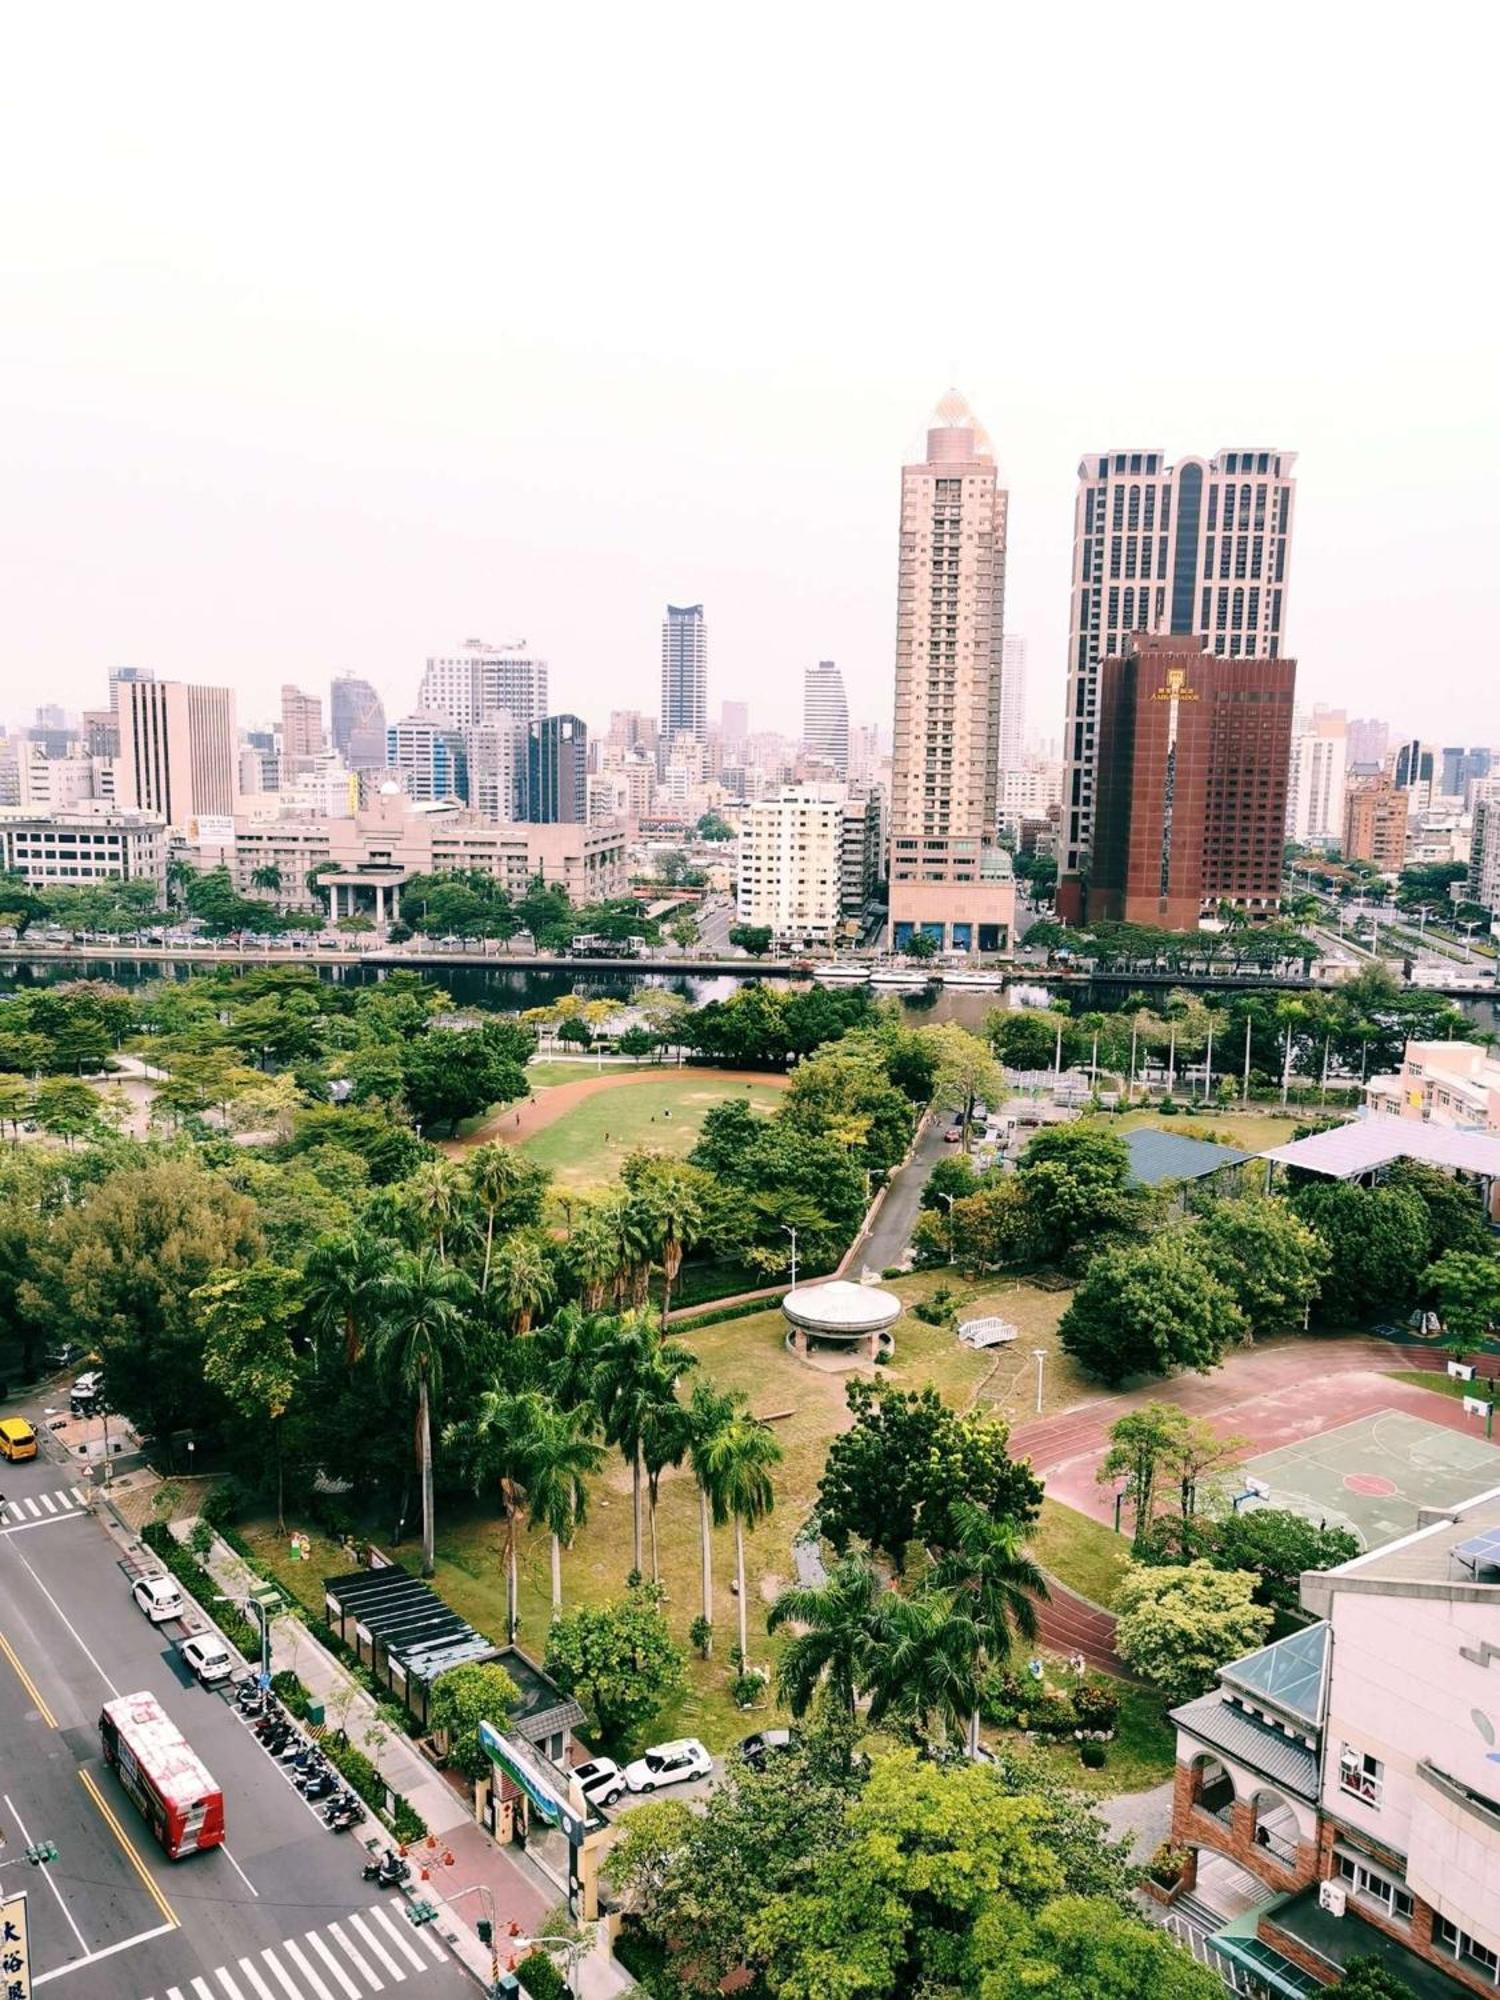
{"x": 1278, "y": 1546}
{"x": 1140, "y": 1444}
{"x": 1376, "y": 1239}
{"x": 461, "y": 1699}
{"x": 497, "y": 1448}
{"x": 1076, "y": 1184}
{"x": 1177, "y": 1627}
{"x": 714, "y": 826}
{"x": 508, "y": 1189}
{"x": 1082, "y": 1948}
{"x": 454, "y": 1073}
{"x": 639, "y": 1369}
{"x": 1149, "y": 1310}
{"x": 921, "y": 947}
{"x": 675, "y": 1213}
{"x": 1027, "y": 1039}
{"x": 754, "y": 938}
{"x": 908, "y": 1461}
{"x": 683, "y": 931}
{"x": 965, "y": 1074}
{"x": 1370, "y": 1978}
{"x": 952, "y": 1179}
{"x": 247, "y": 1317}
{"x": 994, "y": 1229}
{"x": 1466, "y": 1287}
{"x": 117, "y": 1273}
{"x": 619, "y": 1661}
{"x": 564, "y": 1456}
{"x": 16, "y": 1100}
{"x": 711, "y": 1411}
{"x": 739, "y": 1459}
{"x": 830, "y": 1649}
{"x": 342, "y": 1282}
{"x": 1269, "y": 1258}
{"x": 67, "y": 1109}
{"x": 523, "y": 1278}
{"x": 421, "y": 1326}
{"x": 1456, "y": 1215}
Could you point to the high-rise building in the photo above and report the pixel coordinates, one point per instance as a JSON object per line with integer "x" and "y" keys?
{"x": 479, "y": 679}
{"x": 301, "y": 730}
{"x": 1483, "y": 886}
{"x": 1369, "y": 739}
{"x": 949, "y": 878}
{"x": 1012, "y": 705}
{"x": 1375, "y": 823}
{"x": 122, "y": 677}
{"x": 791, "y": 864}
{"x": 1459, "y": 770}
{"x": 179, "y": 750}
{"x": 357, "y": 723}
{"x": 427, "y": 754}
{"x": 557, "y": 761}
{"x": 825, "y": 715}
{"x": 1315, "y": 785}
{"x": 495, "y": 752}
{"x": 861, "y": 850}
{"x": 684, "y": 672}
{"x": 1197, "y": 550}
{"x": 1414, "y": 770}
{"x": 1192, "y": 776}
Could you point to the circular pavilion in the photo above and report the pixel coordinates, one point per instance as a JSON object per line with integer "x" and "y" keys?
{"x": 853, "y": 1318}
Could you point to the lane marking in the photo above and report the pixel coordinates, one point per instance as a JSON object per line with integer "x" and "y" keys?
{"x": 46, "y": 1873}
{"x": 427, "y": 1939}
{"x": 32, "y": 1508}
{"x": 78, "y": 1496}
{"x": 275, "y": 1964}
{"x": 152, "y": 1890}
{"x": 315, "y": 1943}
{"x": 238, "y": 1870}
{"x": 401, "y": 1938}
{"x": 48, "y": 1502}
{"x": 28, "y": 1683}
{"x": 203, "y": 1990}
{"x": 69, "y": 1623}
{"x": 225, "y": 1979}
{"x": 255, "y": 1980}
{"x": 174, "y": 1993}
{"x": 108, "y": 1951}
{"x": 397, "y": 1972}
{"x": 362, "y": 1966}
{"x": 47, "y": 1521}
{"x": 300, "y": 1959}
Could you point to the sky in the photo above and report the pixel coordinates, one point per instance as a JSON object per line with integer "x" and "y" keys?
{"x": 333, "y": 335}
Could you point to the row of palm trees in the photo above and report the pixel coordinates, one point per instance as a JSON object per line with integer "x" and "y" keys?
{"x": 917, "y": 1655}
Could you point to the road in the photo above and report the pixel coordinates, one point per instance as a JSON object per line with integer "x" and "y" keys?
{"x": 280, "y": 1913}
{"x": 890, "y": 1234}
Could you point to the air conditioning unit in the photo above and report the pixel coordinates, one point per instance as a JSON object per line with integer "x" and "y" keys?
{"x": 1332, "y": 1897}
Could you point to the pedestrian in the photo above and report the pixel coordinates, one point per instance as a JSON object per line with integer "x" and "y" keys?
{"x": 606, "y": 1138}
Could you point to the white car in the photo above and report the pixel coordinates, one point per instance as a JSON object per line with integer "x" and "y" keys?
{"x": 602, "y": 1780}
{"x": 158, "y": 1596}
{"x": 209, "y": 1658}
{"x": 669, "y": 1764}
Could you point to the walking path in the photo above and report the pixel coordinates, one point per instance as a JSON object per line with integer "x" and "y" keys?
{"x": 517, "y": 1123}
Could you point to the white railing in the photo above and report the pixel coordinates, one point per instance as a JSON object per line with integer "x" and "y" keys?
{"x": 1233, "y": 1978}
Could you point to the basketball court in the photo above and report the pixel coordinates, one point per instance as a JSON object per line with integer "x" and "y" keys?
{"x": 1371, "y": 1475}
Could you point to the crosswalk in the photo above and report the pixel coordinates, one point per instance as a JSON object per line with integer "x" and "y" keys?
{"x": 363, "y": 1953}
{"x": 20, "y": 1513}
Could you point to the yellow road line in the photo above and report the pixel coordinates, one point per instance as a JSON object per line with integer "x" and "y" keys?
{"x": 28, "y": 1683}
{"x": 135, "y": 1860}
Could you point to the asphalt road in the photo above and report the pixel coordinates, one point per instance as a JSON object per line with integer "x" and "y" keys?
{"x": 888, "y": 1239}
{"x": 280, "y": 1913}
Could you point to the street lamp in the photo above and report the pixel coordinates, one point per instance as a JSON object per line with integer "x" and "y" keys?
{"x": 1041, "y": 1362}
{"x": 793, "y": 1234}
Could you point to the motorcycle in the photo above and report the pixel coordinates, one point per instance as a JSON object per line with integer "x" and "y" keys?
{"x": 317, "y": 1785}
{"x": 278, "y": 1739}
{"x": 298, "y": 1750}
{"x": 268, "y": 1724}
{"x": 389, "y": 1872}
{"x": 343, "y": 1812}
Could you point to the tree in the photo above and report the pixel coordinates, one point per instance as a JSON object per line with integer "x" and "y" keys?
{"x": 247, "y": 1317}
{"x": 66, "y": 1108}
{"x": 421, "y": 1325}
{"x": 754, "y": 938}
{"x": 342, "y": 1282}
{"x": 1376, "y": 1239}
{"x": 674, "y": 1209}
{"x": 1370, "y": 1978}
{"x": 1269, "y": 1258}
{"x": 1466, "y": 1287}
{"x": 683, "y": 931}
{"x": 966, "y": 1072}
{"x": 711, "y": 1411}
{"x": 1278, "y": 1546}
{"x": 268, "y": 877}
{"x": 619, "y": 1661}
{"x": 713, "y": 826}
{"x": 454, "y": 1073}
{"x": 507, "y": 1189}
{"x": 951, "y": 1179}
{"x": 1148, "y": 1310}
{"x": 563, "y": 1457}
{"x": 522, "y": 1277}
{"x": 1076, "y": 1182}
{"x": 740, "y": 1456}
{"x": 1177, "y": 1627}
{"x": 117, "y": 1273}
{"x": 1083, "y": 1948}
{"x": 995, "y": 1586}
{"x": 1457, "y": 1218}
{"x": 896, "y": 1476}
{"x": 831, "y": 1649}
{"x": 638, "y": 1369}
{"x": 460, "y": 1700}
{"x": 1140, "y": 1443}
{"x": 994, "y": 1229}
{"x": 921, "y": 946}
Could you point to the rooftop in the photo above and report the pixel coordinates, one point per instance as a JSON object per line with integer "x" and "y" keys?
{"x": 175, "y": 1768}
{"x": 1335, "y": 1940}
{"x": 1157, "y": 1156}
{"x": 1288, "y": 1674}
{"x": 1429, "y": 1555}
{"x": 841, "y": 1308}
{"x": 1375, "y": 1141}
{"x": 1260, "y": 1745}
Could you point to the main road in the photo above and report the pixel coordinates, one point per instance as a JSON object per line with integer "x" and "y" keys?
{"x": 279, "y": 1913}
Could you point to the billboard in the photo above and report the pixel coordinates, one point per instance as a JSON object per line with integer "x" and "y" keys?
{"x": 15, "y": 1948}
{"x": 211, "y": 830}
{"x": 555, "y": 1796}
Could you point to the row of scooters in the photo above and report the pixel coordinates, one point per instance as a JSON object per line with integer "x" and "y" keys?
{"x": 310, "y": 1771}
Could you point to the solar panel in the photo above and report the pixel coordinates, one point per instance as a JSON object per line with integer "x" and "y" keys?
{"x": 1480, "y": 1551}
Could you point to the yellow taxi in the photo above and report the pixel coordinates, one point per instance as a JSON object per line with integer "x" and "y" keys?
{"x": 17, "y": 1438}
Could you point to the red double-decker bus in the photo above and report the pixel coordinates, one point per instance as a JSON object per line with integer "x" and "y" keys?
{"x": 163, "y": 1774}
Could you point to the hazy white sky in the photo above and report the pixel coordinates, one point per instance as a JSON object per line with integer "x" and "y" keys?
{"x": 332, "y": 334}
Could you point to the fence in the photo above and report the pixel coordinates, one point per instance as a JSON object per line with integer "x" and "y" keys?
{"x": 1233, "y": 1978}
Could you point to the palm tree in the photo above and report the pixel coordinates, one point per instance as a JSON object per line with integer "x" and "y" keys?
{"x": 564, "y": 1456}
{"x": 421, "y": 1324}
{"x": 710, "y": 1411}
{"x": 523, "y": 1278}
{"x": 674, "y": 1213}
{"x": 567, "y": 1352}
{"x": 496, "y": 1446}
{"x": 740, "y": 1461}
{"x": 832, "y": 1649}
{"x": 666, "y": 1434}
{"x": 637, "y": 1370}
{"x": 592, "y": 1254}
{"x": 635, "y": 1241}
{"x": 924, "y": 1662}
{"x": 180, "y": 875}
{"x": 342, "y": 1278}
{"x": 996, "y": 1585}
{"x": 437, "y": 1198}
{"x": 493, "y": 1174}
{"x": 268, "y": 876}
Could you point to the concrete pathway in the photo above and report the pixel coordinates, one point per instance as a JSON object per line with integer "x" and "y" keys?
{"x": 1146, "y": 1817}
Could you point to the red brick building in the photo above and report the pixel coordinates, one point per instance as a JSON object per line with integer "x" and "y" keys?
{"x": 1192, "y": 784}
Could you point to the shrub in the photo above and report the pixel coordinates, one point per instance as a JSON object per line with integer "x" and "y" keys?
{"x": 1096, "y": 1705}
{"x": 541, "y": 1978}
{"x": 1091, "y": 1755}
{"x": 407, "y": 1823}
{"x": 226, "y": 1502}
{"x": 1167, "y": 1864}
{"x": 290, "y": 1692}
{"x": 894, "y": 1271}
{"x": 1169, "y": 1107}
{"x": 701, "y": 1636}
{"x": 1004, "y": 1698}
{"x": 940, "y": 1310}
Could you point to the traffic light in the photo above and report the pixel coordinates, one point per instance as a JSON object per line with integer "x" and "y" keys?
{"x": 485, "y": 1931}
{"x": 40, "y": 1851}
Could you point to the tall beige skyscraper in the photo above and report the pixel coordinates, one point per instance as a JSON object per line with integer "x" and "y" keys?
{"x": 949, "y": 878}
{"x": 301, "y": 730}
{"x": 179, "y": 750}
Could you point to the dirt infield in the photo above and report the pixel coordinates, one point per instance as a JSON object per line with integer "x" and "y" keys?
{"x": 519, "y": 1122}
{"x": 1282, "y": 1393}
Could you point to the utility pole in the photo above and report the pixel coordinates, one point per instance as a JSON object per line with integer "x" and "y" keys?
{"x": 1245, "y": 1095}
{"x": 1208, "y": 1075}
{"x": 1286, "y": 1066}
{"x": 793, "y": 1234}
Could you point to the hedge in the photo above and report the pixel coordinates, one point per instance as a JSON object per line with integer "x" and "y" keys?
{"x": 199, "y": 1583}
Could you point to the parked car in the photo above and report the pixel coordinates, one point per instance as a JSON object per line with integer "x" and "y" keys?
{"x": 675, "y": 1763}
{"x": 160, "y": 1597}
{"x": 602, "y": 1780}
{"x": 62, "y": 1356}
{"x": 765, "y": 1744}
{"x": 209, "y": 1658}
{"x": 83, "y": 1397}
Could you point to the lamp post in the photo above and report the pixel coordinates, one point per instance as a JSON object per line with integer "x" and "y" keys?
{"x": 1041, "y": 1362}
{"x": 787, "y": 1226}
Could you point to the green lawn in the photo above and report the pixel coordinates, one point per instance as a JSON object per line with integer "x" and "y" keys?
{"x": 1442, "y": 1385}
{"x": 1250, "y": 1131}
{"x": 588, "y": 1144}
{"x": 1083, "y": 1554}
{"x": 1143, "y": 1753}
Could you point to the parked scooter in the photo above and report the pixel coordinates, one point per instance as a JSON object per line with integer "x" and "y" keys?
{"x": 343, "y": 1812}
{"x": 278, "y": 1738}
{"x": 317, "y": 1784}
{"x": 269, "y": 1724}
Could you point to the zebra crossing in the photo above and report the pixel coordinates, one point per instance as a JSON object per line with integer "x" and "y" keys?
{"x": 26, "y": 1512}
{"x": 366, "y": 1952}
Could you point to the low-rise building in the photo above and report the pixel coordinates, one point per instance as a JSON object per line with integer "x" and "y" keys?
{"x": 79, "y": 848}
{"x": 1441, "y": 1083}
{"x": 1352, "y": 1770}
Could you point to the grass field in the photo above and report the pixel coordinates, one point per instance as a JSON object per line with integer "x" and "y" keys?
{"x": 1083, "y": 1554}
{"x": 544, "y": 1071}
{"x": 588, "y": 1144}
{"x": 1449, "y": 1385}
{"x": 806, "y": 1408}
{"x": 1251, "y": 1131}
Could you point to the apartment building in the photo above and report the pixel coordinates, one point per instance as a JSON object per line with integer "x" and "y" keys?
{"x": 1483, "y": 885}
{"x": 791, "y": 865}
{"x": 179, "y": 750}
{"x": 1441, "y": 1083}
{"x": 77, "y": 849}
{"x": 1352, "y": 1770}
{"x": 1316, "y": 780}
{"x": 1375, "y": 812}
